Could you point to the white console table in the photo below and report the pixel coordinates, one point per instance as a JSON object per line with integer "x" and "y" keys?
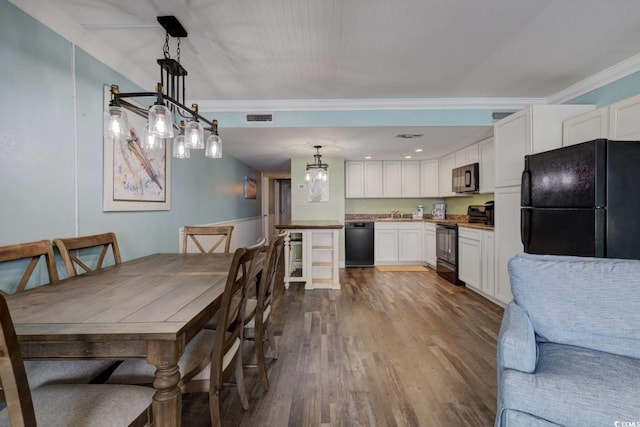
{"x": 311, "y": 254}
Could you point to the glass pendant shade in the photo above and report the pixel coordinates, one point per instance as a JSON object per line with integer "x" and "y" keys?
{"x": 115, "y": 122}
{"x": 194, "y": 135}
{"x": 150, "y": 142}
{"x": 307, "y": 176}
{"x": 214, "y": 147}
{"x": 180, "y": 151}
{"x": 160, "y": 121}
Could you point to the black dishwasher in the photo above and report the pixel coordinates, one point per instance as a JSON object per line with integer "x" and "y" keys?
{"x": 358, "y": 240}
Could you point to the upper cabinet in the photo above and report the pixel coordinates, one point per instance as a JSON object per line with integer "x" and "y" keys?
{"x": 532, "y": 130}
{"x": 586, "y": 127}
{"x": 372, "y": 179}
{"x": 447, "y": 163}
{"x": 354, "y": 179}
{"x": 624, "y": 119}
{"x": 467, "y": 155}
{"x": 486, "y": 159}
{"x": 429, "y": 178}
{"x": 392, "y": 178}
{"x": 618, "y": 121}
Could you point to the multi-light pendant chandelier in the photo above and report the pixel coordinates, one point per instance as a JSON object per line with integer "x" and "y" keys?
{"x": 317, "y": 169}
{"x": 169, "y": 107}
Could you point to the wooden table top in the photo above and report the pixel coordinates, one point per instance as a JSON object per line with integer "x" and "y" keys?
{"x": 152, "y": 297}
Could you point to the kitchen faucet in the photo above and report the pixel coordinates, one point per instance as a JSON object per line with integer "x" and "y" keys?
{"x": 394, "y": 213}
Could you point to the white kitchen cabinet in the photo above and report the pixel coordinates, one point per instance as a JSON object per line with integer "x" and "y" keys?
{"x": 312, "y": 256}
{"x": 429, "y": 178}
{"x": 410, "y": 170}
{"x": 586, "y": 127}
{"x": 373, "y": 178}
{"x": 386, "y": 244}
{"x": 507, "y": 238}
{"x": 488, "y": 263}
{"x": 430, "y": 244}
{"x": 470, "y": 257}
{"x": 532, "y": 130}
{"x": 624, "y": 119}
{"x": 398, "y": 242}
{"x": 410, "y": 244}
{"x": 446, "y": 165}
{"x": 467, "y": 155}
{"x": 354, "y": 179}
{"x": 486, "y": 155}
{"x": 392, "y": 178}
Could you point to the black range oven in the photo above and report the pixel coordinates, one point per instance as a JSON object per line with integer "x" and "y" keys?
{"x": 447, "y": 252}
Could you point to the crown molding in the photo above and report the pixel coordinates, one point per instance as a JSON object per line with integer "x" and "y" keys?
{"x": 507, "y": 104}
{"x": 609, "y": 75}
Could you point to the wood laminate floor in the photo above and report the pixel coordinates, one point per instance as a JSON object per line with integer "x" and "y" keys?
{"x": 389, "y": 349}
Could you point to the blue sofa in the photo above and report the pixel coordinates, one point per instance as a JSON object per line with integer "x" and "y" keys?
{"x": 569, "y": 344}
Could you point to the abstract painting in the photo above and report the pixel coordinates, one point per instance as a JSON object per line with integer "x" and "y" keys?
{"x": 135, "y": 179}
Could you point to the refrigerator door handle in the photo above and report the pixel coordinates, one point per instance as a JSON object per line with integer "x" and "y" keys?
{"x": 525, "y": 228}
{"x": 526, "y": 188}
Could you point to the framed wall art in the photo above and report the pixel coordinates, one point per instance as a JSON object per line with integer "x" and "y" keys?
{"x": 249, "y": 188}
{"x": 135, "y": 179}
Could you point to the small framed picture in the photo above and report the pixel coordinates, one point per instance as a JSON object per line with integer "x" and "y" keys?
{"x": 249, "y": 188}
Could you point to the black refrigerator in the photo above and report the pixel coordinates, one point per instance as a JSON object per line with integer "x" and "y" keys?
{"x": 583, "y": 200}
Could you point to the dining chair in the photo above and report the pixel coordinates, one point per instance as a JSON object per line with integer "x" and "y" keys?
{"x": 34, "y": 252}
{"x": 193, "y": 231}
{"x": 73, "y": 248}
{"x": 258, "y": 326}
{"x": 211, "y": 354}
{"x": 45, "y": 371}
{"x": 69, "y": 405}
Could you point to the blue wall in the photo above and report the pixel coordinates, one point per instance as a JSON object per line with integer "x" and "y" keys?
{"x": 51, "y": 186}
{"x": 612, "y": 92}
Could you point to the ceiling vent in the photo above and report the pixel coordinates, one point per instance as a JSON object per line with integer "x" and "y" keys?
{"x": 499, "y": 115}
{"x": 265, "y": 118}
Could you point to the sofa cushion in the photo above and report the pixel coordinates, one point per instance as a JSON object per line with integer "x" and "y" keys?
{"x": 586, "y": 302}
{"x": 511, "y": 418}
{"x": 573, "y": 386}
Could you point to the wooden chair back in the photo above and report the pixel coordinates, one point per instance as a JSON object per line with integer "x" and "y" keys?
{"x": 268, "y": 279}
{"x": 12, "y": 373}
{"x": 35, "y": 251}
{"x": 71, "y": 247}
{"x": 192, "y": 232}
{"x": 228, "y": 335}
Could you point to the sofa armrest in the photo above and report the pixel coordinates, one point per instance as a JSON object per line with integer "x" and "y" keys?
{"x": 517, "y": 347}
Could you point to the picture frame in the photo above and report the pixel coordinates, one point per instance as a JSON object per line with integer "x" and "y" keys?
{"x": 135, "y": 179}
{"x": 249, "y": 188}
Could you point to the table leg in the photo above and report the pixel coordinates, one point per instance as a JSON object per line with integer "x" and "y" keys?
{"x": 167, "y": 402}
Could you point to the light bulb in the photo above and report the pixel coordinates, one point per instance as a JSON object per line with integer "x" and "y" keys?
{"x": 115, "y": 122}
{"x": 180, "y": 151}
{"x": 194, "y": 135}
{"x": 160, "y": 121}
{"x": 214, "y": 147}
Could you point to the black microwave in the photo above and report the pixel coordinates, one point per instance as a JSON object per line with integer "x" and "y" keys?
{"x": 466, "y": 179}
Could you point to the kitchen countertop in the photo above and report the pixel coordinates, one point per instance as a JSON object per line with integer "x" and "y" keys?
{"x": 461, "y": 220}
{"x": 309, "y": 224}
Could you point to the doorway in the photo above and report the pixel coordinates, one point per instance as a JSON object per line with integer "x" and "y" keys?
{"x": 283, "y": 201}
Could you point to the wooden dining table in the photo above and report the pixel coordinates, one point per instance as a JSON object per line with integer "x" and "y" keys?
{"x": 147, "y": 308}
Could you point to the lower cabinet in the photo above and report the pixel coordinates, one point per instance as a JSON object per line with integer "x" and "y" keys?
{"x": 398, "y": 242}
{"x": 430, "y": 256}
{"x": 470, "y": 257}
{"x": 476, "y": 261}
{"x": 311, "y": 256}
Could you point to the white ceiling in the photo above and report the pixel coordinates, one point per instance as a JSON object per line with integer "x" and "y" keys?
{"x": 250, "y": 52}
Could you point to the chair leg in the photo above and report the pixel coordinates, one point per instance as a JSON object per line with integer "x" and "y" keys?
{"x": 272, "y": 340}
{"x": 260, "y": 357}
{"x": 242, "y": 390}
{"x": 214, "y": 408}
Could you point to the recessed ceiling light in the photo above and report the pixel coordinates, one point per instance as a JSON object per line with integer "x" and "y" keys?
{"x": 407, "y": 157}
{"x": 418, "y": 150}
{"x": 367, "y": 157}
{"x": 408, "y": 135}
